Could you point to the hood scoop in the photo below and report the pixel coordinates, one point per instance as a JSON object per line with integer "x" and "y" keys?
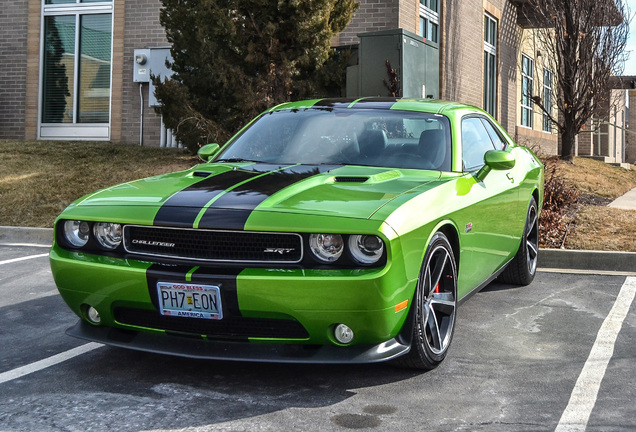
{"x": 203, "y": 174}
{"x": 350, "y": 179}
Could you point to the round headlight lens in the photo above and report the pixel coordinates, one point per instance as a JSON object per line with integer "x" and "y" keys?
{"x": 76, "y": 232}
{"x": 366, "y": 249}
{"x": 108, "y": 234}
{"x": 326, "y": 247}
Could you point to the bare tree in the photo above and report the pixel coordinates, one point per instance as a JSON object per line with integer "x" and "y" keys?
{"x": 583, "y": 43}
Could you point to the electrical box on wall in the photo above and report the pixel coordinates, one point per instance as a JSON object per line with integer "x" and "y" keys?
{"x": 141, "y": 72}
{"x": 415, "y": 59}
{"x": 151, "y": 62}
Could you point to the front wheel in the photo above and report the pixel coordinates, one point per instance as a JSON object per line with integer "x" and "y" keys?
{"x": 435, "y": 304}
{"x": 523, "y": 267}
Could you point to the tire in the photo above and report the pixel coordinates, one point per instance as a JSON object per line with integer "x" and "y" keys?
{"x": 435, "y": 306}
{"x": 523, "y": 267}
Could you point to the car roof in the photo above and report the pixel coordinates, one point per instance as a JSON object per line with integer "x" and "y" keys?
{"x": 435, "y": 106}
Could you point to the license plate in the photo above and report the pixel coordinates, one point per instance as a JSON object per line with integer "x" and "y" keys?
{"x": 189, "y": 300}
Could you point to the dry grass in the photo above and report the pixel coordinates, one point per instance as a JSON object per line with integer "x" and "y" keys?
{"x": 597, "y": 178}
{"x": 603, "y": 228}
{"x": 593, "y": 226}
{"x": 39, "y": 179}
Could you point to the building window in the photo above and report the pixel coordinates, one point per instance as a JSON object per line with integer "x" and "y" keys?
{"x": 527, "y": 86}
{"x": 429, "y": 20}
{"x": 548, "y": 78}
{"x": 76, "y": 73}
{"x": 490, "y": 65}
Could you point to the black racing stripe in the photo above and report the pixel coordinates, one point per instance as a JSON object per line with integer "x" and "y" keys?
{"x": 223, "y": 277}
{"x": 181, "y": 209}
{"x": 375, "y": 103}
{"x": 232, "y": 210}
{"x": 230, "y": 219}
{"x": 226, "y": 278}
{"x": 333, "y": 103}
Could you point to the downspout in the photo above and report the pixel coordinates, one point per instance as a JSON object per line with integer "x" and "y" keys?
{"x": 141, "y": 115}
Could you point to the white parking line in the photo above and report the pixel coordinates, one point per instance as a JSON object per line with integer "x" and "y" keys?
{"x": 47, "y": 362}
{"x": 23, "y": 258}
{"x": 577, "y": 413}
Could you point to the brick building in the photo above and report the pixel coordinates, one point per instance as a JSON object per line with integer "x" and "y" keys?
{"x": 40, "y": 44}
{"x": 66, "y": 66}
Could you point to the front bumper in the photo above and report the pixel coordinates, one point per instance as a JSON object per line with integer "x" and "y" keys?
{"x": 239, "y": 351}
{"x": 315, "y": 300}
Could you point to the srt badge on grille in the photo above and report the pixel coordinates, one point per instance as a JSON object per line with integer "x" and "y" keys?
{"x": 280, "y": 251}
{"x": 153, "y": 243}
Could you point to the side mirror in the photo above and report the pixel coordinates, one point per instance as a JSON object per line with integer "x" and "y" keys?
{"x": 498, "y": 160}
{"x": 208, "y": 151}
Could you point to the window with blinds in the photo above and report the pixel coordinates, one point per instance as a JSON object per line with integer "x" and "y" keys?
{"x": 76, "y": 77}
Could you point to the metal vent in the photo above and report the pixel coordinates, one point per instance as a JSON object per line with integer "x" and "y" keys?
{"x": 212, "y": 245}
{"x": 350, "y": 179}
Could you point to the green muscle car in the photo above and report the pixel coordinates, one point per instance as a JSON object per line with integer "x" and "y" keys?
{"x": 331, "y": 231}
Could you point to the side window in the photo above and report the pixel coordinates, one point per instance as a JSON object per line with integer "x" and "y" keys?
{"x": 497, "y": 140}
{"x": 475, "y": 143}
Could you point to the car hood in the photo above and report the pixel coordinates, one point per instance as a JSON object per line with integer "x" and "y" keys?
{"x": 209, "y": 193}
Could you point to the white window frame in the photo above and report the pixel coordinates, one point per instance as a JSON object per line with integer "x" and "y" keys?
{"x": 528, "y": 107}
{"x": 429, "y": 19}
{"x": 74, "y": 130}
{"x": 490, "y": 77}
{"x": 547, "y": 98}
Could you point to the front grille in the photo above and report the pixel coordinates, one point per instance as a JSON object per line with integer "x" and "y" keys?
{"x": 236, "y": 328}
{"x": 214, "y": 246}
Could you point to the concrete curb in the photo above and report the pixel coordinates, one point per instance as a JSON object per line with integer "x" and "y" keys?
{"x": 587, "y": 260}
{"x": 40, "y": 236}
{"x": 548, "y": 258}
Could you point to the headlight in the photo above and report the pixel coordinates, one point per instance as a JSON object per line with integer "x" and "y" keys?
{"x": 366, "y": 249}
{"x": 76, "y": 232}
{"x": 108, "y": 234}
{"x": 326, "y": 247}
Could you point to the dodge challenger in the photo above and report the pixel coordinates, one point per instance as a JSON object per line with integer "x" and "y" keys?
{"x": 325, "y": 231}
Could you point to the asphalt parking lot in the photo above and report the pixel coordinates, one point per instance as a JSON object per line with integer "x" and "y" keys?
{"x": 537, "y": 358}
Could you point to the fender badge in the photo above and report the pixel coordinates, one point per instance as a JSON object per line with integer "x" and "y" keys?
{"x": 469, "y": 227}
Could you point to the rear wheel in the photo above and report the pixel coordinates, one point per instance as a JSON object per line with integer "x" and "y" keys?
{"x": 523, "y": 267}
{"x": 435, "y": 304}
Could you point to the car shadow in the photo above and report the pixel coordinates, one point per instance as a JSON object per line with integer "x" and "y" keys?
{"x": 130, "y": 390}
{"x": 500, "y": 286}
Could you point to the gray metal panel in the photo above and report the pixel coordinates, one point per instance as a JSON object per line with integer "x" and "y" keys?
{"x": 432, "y": 71}
{"x": 417, "y": 62}
{"x": 353, "y": 81}
{"x": 414, "y": 72}
{"x": 374, "y": 51}
{"x": 157, "y": 66}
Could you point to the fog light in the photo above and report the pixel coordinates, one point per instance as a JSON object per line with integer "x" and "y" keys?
{"x": 93, "y": 315}
{"x": 343, "y": 334}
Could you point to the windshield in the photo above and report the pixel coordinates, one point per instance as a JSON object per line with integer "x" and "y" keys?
{"x": 384, "y": 138}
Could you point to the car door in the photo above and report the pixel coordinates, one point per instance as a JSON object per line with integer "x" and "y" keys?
{"x": 490, "y": 211}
